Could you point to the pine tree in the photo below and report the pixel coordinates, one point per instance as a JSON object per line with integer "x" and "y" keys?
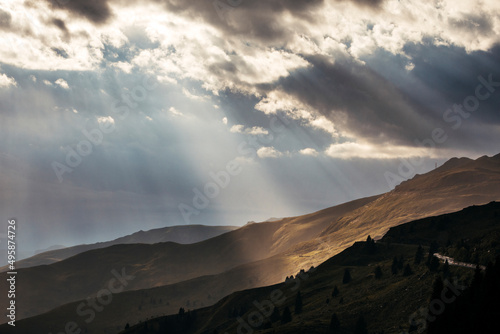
{"x": 434, "y": 264}
{"x": 298, "y": 303}
{"x": 370, "y": 246}
{"x": 275, "y": 316}
{"x": 347, "y": 276}
{"x": 395, "y": 266}
{"x": 407, "y": 271}
{"x": 286, "y": 317}
{"x": 378, "y": 272}
{"x": 432, "y": 249}
{"x": 334, "y": 323}
{"x": 361, "y": 326}
{"x": 335, "y": 292}
{"x": 419, "y": 255}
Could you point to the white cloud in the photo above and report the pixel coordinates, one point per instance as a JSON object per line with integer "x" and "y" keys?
{"x": 62, "y": 83}
{"x": 192, "y": 96}
{"x": 47, "y": 83}
{"x": 175, "y": 112}
{"x": 268, "y": 152}
{"x": 256, "y": 130}
{"x": 224, "y": 121}
{"x": 324, "y": 124}
{"x": 277, "y": 101}
{"x": 123, "y": 66}
{"x": 238, "y": 128}
{"x": 149, "y": 118}
{"x": 309, "y": 151}
{"x": 6, "y": 81}
{"x": 410, "y": 66}
{"x": 107, "y": 119}
{"x": 351, "y": 150}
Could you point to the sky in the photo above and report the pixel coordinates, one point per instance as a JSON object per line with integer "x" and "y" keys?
{"x": 121, "y": 115}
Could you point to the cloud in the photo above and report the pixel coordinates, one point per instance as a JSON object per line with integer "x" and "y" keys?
{"x": 123, "y": 66}
{"x": 268, "y": 152}
{"x": 60, "y": 24}
{"x": 192, "y": 96}
{"x": 350, "y": 80}
{"x": 351, "y": 150}
{"x": 175, "y": 112}
{"x": 295, "y": 108}
{"x": 237, "y": 128}
{"x": 62, "y": 83}
{"x": 6, "y": 82}
{"x": 256, "y": 130}
{"x": 104, "y": 120}
{"x": 97, "y": 11}
{"x": 5, "y": 19}
{"x": 309, "y": 151}
{"x": 360, "y": 102}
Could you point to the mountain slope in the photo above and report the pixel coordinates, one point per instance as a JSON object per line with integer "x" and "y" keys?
{"x": 182, "y": 234}
{"x": 453, "y": 186}
{"x": 277, "y": 249}
{"x": 49, "y": 286}
{"x": 386, "y": 303}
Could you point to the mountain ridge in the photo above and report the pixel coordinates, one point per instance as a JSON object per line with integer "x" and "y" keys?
{"x": 183, "y": 234}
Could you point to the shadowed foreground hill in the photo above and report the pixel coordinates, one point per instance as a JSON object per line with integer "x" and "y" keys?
{"x": 183, "y": 234}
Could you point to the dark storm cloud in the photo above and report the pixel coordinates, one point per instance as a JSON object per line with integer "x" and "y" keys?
{"x": 369, "y": 3}
{"x": 5, "y": 19}
{"x": 453, "y": 73}
{"x": 60, "y": 24}
{"x": 384, "y": 103}
{"x": 371, "y": 106}
{"x": 258, "y": 19}
{"x": 479, "y": 24}
{"x": 97, "y": 11}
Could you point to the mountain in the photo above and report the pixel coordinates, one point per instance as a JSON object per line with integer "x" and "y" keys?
{"x": 455, "y": 185}
{"x": 166, "y": 263}
{"x": 182, "y": 234}
{"x": 258, "y": 254}
{"x": 386, "y": 303}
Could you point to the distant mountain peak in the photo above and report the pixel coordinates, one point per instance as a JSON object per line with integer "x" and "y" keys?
{"x": 455, "y": 162}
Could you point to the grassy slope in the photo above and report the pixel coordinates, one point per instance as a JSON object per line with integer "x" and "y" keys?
{"x": 386, "y": 303}
{"x": 46, "y": 287}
